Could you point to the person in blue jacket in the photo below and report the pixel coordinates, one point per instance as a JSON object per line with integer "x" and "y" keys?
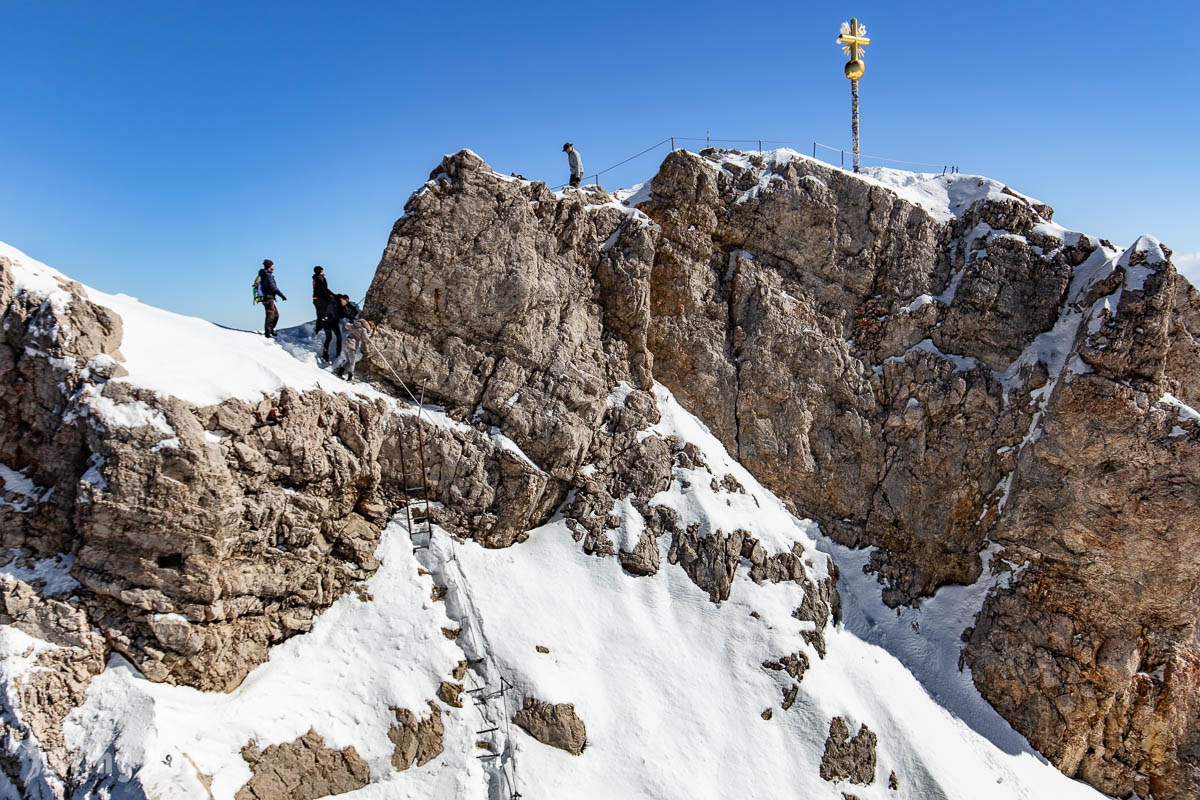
{"x": 269, "y": 291}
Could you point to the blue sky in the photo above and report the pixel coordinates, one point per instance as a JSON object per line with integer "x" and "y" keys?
{"x": 164, "y": 149}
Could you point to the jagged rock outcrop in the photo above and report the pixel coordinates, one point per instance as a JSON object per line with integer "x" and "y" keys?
{"x": 304, "y": 769}
{"x": 62, "y": 653}
{"x": 416, "y": 740}
{"x": 555, "y": 724}
{"x": 922, "y": 384}
{"x": 204, "y": 535}
{"x": 846, "y": 757}
{"x": 1092, "y": 650}
{"x": 200, "y": 536}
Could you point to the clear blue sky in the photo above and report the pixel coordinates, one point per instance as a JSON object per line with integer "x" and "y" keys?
{"x": 164, "y": 149}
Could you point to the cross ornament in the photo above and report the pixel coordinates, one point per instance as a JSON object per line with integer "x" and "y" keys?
{"x": 853, "y": 37}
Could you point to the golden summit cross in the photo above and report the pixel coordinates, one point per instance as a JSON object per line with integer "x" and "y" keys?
{"x": 853, "y": 39}
{"x": 853, "y": 36}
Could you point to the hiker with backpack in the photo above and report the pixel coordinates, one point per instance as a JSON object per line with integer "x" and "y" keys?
{"x": 265, "y": 292}
{"x": 321, "y": 297}
{"x": 356, "y": 346}
{"x": 338, "y": 309}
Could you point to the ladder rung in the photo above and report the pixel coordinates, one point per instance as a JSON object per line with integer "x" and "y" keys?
{"x": 486, "y": 730}
{"x": 489, "y": 755}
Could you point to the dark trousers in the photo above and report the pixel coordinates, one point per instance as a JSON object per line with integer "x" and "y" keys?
{"x": 333, "y": 327}
{"x": 272, "y": 316}
{"x": 320, "y": 309}
{"x": 575, "y": 179}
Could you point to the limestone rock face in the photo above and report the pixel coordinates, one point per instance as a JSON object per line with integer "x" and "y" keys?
{"x": 202, "y": 536}
{"x": 199, "y": 536}
{"x": 1104, "y": 513}
{"x": 64, "y": 653}
{"x": 555, "y": 724}
{"x": 929, "y": 386}
{"x": 849, "y": 758}
{"x": 513, "y": 307}
{"x": 304, "y": 769}
{"x": 416, "y": 741}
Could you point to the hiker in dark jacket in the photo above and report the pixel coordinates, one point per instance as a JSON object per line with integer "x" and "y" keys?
{"x": 321, "y": 295}
{"x": 269, "y": 291}
{"x": 339, "y": 308}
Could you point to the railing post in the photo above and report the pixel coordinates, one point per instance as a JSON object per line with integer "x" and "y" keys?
{"x": 672, "y": 144}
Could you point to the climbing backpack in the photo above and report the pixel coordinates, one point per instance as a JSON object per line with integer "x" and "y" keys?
{"x": 258, "y": 297}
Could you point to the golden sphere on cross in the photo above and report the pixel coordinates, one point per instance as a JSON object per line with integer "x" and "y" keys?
{"x": 853, "y": 40}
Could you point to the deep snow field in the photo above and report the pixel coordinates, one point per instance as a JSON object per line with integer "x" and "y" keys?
{"x": 670, "y": 685}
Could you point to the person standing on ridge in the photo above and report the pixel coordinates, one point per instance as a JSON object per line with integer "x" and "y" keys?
{"x": 321, "y": 296}
{"x": 356, "y": 345}
{"x": 576, "y": 163}
{"x": 269, "y": 291}
{"x": 339, "y": 308}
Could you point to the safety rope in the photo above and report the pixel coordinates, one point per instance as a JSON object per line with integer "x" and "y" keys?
{"x": 399, "y": 380}
{"x": 953, "y": 169}
{"x": 654, "y": 146}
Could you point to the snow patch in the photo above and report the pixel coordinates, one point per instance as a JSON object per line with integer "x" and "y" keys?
{"x": 52, "y": 575}
{"x": 25, "y": 493}
{"x": 961, "y": 363}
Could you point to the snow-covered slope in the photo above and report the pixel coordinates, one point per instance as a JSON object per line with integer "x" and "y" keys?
{"x": 188, "y": 357}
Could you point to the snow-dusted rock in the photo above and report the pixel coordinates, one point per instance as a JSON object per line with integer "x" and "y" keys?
{"x": 305, "y": 769}
{"x": 554, "y": 724}
{"x": 923, "y": 364}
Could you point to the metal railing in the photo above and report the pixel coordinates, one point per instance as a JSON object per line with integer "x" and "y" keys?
{"x": 816, "y": 148}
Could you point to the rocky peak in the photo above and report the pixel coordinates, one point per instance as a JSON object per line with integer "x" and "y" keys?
{"x": 929, "y": 368}
{"x": 924, "y": 365}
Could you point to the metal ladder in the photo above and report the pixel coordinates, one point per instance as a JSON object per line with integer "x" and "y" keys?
{"x": 485, "y": 700}
{"x": 414, "y": 478}
{"x": 492, "y": 704}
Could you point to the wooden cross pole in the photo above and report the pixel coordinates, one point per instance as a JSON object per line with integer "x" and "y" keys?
{"x": 853, "y": 39}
